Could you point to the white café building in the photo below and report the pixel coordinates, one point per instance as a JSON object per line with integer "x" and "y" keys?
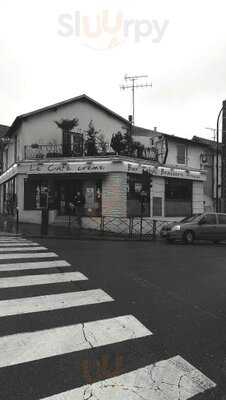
{"x": 44, "y": 165}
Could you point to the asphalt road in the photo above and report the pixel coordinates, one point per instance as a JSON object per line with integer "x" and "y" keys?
{"x": 176, "y": 292}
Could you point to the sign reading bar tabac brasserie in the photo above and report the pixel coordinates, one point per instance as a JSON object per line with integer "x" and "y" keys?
{"x": 167, "y": 172}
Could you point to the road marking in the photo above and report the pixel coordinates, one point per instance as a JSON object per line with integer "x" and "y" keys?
{"x": 52, "y": 302}
{"x": 13, "y": 239}
{"x": 34, "y": 265}
{"x": 18, "y": 244}
{"x": 26, "y": 249}
{"x": 25, "y": 347}
{"x": 169, "y": 379}
{"x": 32, "y": 280}
{"x": 9, "y": 256}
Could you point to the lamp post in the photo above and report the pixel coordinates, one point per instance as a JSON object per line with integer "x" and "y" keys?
{"x": 217, "y": 160}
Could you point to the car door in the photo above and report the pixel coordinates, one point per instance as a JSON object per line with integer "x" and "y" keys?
{"x": 208, "y": 227}
{"x": 221, "y": 227}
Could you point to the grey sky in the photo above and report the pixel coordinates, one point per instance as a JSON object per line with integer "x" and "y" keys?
{"x": 41, "y": 63}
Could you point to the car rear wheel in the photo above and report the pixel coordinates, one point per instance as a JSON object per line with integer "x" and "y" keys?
{"x": 189, "y": 237}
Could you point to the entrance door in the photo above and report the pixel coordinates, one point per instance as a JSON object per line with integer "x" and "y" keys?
{"x": 66, "y": 193}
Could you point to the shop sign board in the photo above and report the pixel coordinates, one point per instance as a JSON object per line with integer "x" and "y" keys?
{"x": 101, "y": 167}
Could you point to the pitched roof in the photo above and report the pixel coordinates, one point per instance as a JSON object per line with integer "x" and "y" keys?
{"x": 150, "y": 133}
{"x": 82, "y": 97}
{"x": 207, "y": 142}
{"x": 3, "y": 130}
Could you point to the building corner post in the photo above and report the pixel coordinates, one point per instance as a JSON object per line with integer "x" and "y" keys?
{"x": 224, "y": 157}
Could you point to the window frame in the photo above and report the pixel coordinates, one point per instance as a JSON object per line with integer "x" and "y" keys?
{"x": 185, "y": 154}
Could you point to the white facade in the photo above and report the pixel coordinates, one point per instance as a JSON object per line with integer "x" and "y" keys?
{"x": 42, "y": 129}
{"x": 115, "y": 175}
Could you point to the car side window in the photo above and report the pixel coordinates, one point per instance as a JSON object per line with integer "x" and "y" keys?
{"x": 222, "y": 219}
{"x": 210, "y": 219}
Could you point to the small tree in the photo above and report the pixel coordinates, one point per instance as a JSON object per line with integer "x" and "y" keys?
{"x": 91, "y": 143}
{"x": 139, "y": 148}
{"x": 102, "y": 145}
{"x": 117, "y": 142}
{"x": 67, "y": 124}
{"x": 128, "y": 142}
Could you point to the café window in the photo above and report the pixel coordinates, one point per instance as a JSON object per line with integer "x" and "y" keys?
{"x": 138, "y": 196}
{"x": 157, "y": 206}
{"x": 181, "y": 153}
{"x": 36, "y": 194}
{"x": 178, "y": 197}
{"x": 9, "y": 197}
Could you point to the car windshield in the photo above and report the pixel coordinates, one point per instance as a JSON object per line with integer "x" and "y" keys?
{"x": 192, "y": 218}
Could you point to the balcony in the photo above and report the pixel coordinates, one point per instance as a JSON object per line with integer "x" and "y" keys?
{"x": 43, "y": 151}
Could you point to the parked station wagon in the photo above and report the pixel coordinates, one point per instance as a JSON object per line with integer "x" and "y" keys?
{"x": 207, "y": 226}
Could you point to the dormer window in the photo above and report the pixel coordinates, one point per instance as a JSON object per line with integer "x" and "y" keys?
{"x": 181, "y": 153}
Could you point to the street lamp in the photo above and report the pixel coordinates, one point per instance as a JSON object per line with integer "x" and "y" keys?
{"x": 217, "y": 160}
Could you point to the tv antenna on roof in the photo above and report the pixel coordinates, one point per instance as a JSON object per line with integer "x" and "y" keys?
{"x": 214, "y": 131}
{"x": 133, "y": 85}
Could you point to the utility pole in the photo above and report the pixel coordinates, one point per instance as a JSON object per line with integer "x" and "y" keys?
{"x": 131, "y": 85}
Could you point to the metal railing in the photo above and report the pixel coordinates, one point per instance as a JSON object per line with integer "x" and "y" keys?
{"x": 41, "y": 151}
{"x": 131, "y": 228}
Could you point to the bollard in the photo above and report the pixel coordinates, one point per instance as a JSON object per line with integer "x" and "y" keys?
{"x": 44, "y": 221}
{"x": 154, "y": 229}
{"x": 17, "y": 220}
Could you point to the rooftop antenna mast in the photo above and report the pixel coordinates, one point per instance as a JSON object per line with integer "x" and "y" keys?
{"x": 214, "y": 131}
{"x": 133, "y": 85}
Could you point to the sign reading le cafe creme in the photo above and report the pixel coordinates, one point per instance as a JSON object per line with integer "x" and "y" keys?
{"x": 109, "y": 166}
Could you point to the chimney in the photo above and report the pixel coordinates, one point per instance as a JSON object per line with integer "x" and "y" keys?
{"x": 155, "y": 128}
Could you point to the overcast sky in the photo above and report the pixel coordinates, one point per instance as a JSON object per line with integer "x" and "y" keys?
{"x": 50, "y": 52}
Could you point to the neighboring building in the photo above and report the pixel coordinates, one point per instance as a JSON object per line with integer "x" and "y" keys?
{"x": 3, "y": 132}
{"x": 47, "y": 166}
{"x": 182, "y": 186}
{"x": 208, "y": 161}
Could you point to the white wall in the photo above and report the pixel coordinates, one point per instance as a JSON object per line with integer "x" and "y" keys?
{"x": 42, "y": 129}
{"x": 197, "y": 197}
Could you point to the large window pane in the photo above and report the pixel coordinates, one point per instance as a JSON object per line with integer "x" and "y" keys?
{"x": 178, "y": 197}
{"x": 181, "y": 154}
{"x": 138, "y": 196}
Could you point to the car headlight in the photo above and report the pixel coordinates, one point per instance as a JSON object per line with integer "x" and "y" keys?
{"x": 175, "y": 228}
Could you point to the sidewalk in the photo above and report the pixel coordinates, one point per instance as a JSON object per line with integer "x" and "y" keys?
{"x": 8, "y": 227}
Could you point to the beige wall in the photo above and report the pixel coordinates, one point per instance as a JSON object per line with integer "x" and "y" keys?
{"x": 114, "y": 195}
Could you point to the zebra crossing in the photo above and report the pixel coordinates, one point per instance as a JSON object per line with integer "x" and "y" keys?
{"x": 55, "y": 346}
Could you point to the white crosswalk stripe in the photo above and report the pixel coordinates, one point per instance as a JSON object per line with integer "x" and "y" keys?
{"x": 169, "y": 379}
{"x": 9, "y": 256}
{"x": 17, "y": 244}
{"x": 31, "y": 346}
{"x": 33, "y": 265}
{"x": 52, "y": 302}
{"x": 12, "y": 239}
{"x": 32, "y": 280}
{"x": 21, "y": 249}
